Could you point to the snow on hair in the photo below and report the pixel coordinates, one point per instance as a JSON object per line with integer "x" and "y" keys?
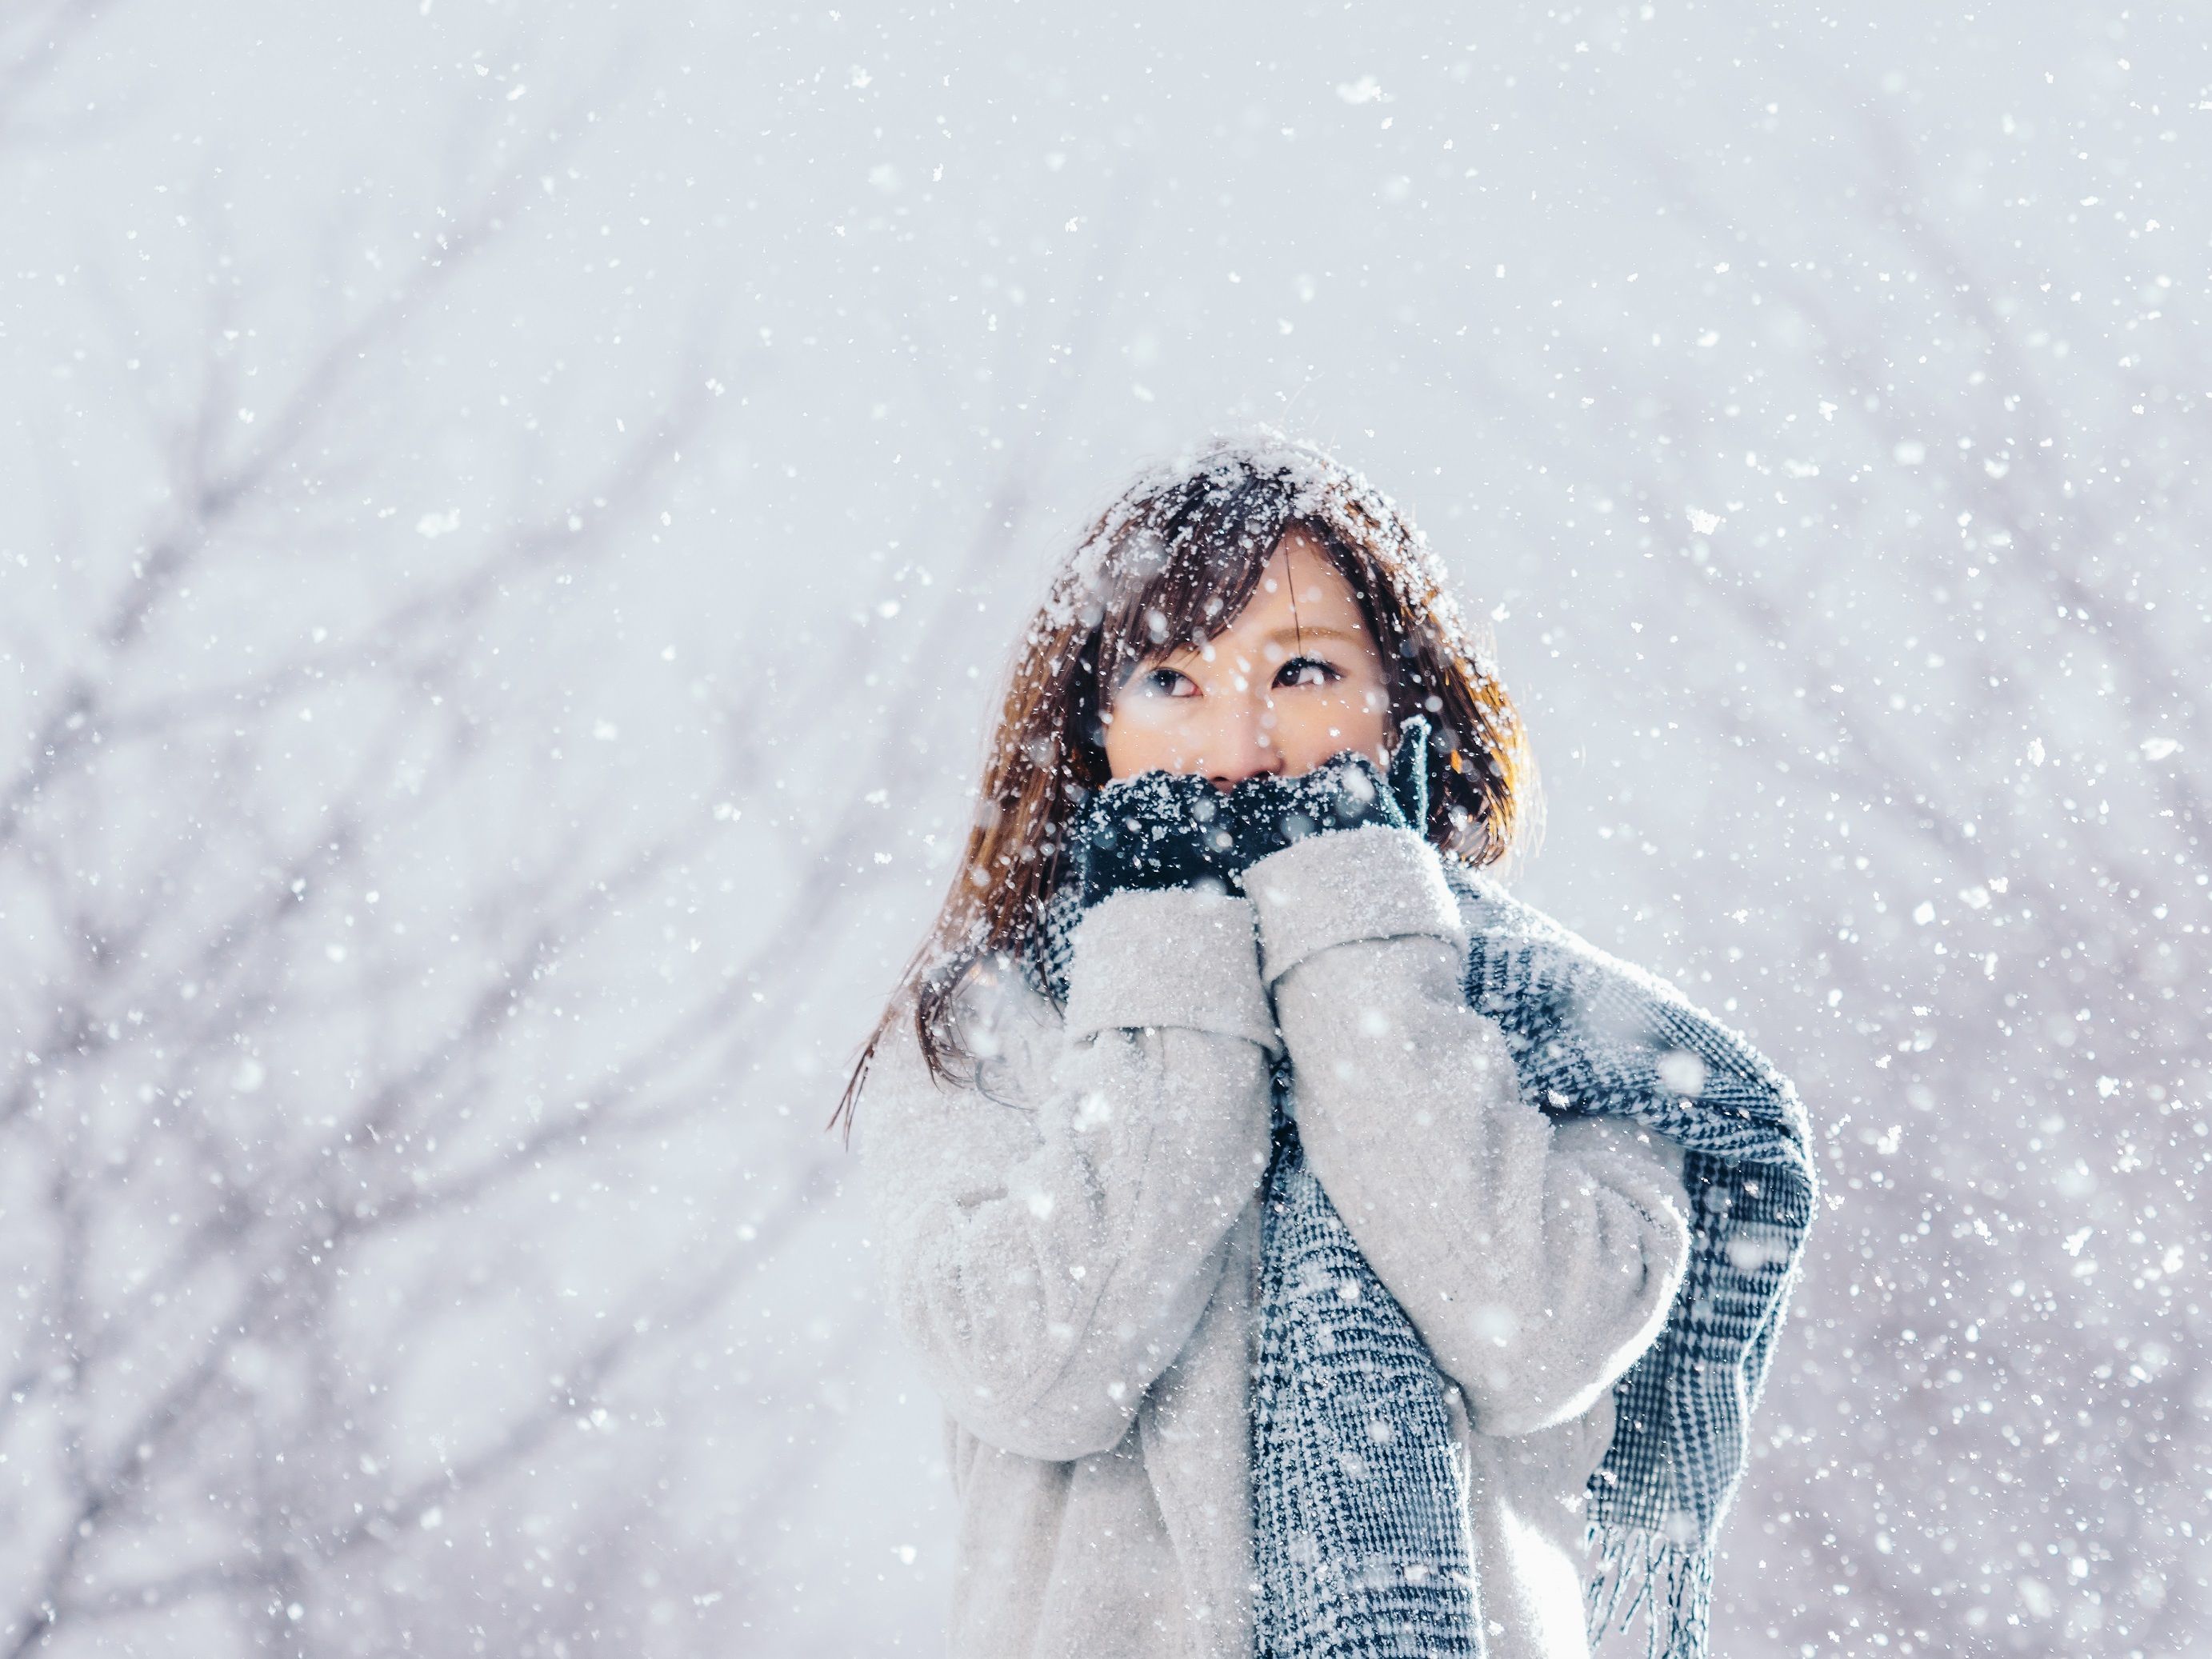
{"x": 1318, "y": 488}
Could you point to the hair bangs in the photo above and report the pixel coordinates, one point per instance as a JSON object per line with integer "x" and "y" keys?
{"x": 1183, "y": 580}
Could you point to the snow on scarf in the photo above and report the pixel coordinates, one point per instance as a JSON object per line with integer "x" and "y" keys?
{"x": 1359, "y": 1504}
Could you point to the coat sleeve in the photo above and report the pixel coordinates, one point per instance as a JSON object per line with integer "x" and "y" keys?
{"x": 1536, "y": 1259}
{"x": 1052, "y": 1232}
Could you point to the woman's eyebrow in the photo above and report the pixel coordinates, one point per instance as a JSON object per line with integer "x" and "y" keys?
{"x": 1295, "y": 634}
{"x": 1290, "y": 635}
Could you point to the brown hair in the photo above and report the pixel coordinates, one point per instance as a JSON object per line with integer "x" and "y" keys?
{"x": 1174, "y": 560}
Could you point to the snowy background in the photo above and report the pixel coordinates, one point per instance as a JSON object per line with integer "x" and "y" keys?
{"x": 512, "y": 518}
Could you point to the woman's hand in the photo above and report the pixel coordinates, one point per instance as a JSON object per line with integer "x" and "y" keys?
{"x": 1176, "y": 830}
{"x": 1267, "y": 813}
{"x": 1156, "y": 829}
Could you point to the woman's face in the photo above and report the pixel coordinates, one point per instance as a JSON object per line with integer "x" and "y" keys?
{"x": 1296, "y": 679}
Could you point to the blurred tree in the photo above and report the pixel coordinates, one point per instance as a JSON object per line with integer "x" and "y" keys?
{"x": 1946, "y": 648}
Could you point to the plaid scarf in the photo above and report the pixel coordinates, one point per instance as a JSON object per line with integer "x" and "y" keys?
{"x": 1358, "y": 1490}
{"x": 1360, "y": 1505}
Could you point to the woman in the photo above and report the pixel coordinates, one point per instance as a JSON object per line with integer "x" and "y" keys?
{"x": 1315, "y": 1250}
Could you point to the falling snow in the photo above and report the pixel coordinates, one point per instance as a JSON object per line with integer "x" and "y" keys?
{"x": 514, "y": 524}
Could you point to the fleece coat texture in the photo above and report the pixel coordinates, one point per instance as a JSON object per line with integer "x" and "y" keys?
{"x": 1071, "y": 1248}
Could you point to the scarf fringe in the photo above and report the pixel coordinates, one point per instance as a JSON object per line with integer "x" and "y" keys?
{"x": 1637, "y": 1571}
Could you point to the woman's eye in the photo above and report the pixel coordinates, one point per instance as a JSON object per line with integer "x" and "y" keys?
{"x": 1307, "y": 670}
{"x": 1166, "y": 682}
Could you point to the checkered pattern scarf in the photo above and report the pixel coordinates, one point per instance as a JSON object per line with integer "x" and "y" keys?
{"x": 1359, "y": 1491}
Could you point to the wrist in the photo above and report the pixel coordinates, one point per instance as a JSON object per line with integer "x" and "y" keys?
{"x": 1169, "y": 958}
{"x": 1374, "y": 882}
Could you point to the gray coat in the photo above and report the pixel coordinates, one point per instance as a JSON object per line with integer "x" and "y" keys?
{"x": 1071, "y": 1246}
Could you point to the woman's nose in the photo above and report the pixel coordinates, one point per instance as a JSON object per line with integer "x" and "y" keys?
{"x": 1245, "y": 746}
